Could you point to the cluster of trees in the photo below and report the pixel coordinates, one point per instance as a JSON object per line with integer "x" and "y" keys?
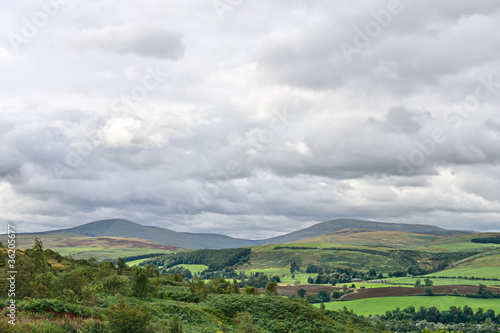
{"x": 494, "y": 240}
{"x": 324, "y": 296}
{"x": 334, "y": 275}
{"x": 259, "y": 280}
{"x": 216, "y": 260}
{"x": 427, "y": 282}
{"x": 454, "y": 315}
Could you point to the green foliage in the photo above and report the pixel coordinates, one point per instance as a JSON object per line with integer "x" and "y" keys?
{"x": 247, "y": 290}
{"x": 5, "y": 327}
{"x": 214, "y": 259}
{"x": 124, "y": 318}
{"x": 244, "y": 323}
{"x": 88, "y": 293}
{"x": 493, "y": 240}
{"x": 175, "y": 325}
{"x": 198, "y": 288}
{"x": 272, "y": 288}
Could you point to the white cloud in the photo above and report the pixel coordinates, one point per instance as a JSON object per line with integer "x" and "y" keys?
{"x": 138, "y": 40}
{"x": 258, "y": 124}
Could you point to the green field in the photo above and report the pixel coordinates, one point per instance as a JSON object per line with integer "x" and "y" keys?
{"x": 136, "y": 262}
{"x": 445, "y": 281}
{"x": 459, "y": 246}
{"x": 378, "y": 306}
{"x": 193, "y": 268}
{"x": 366, "y": 284}
{"x": 363, "y": 237}
{"x": 101, "y": 254}
{"x": 287, "y": 278}
{"x": 485, "y": 267}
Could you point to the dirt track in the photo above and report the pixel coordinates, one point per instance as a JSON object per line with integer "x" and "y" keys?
{"x": 406, "y": 291}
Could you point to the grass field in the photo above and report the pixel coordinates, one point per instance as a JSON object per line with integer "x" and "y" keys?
{"x": 378, "y": 306}
{"x": 446, "y": 281}
{"x": 193, "y": 268}
{"x": 280, "y": 271}
{"x": 459, "y": 246}
{"x": 84, "y": 247}
{"x": 287, "y": 278}
{"x": 484, "y": 267}
{"x": 136, "y": 262}
{"x": 363, "y": 237}
{"x": 458, "y": 243}
{"x": 366, "y": 284}
{"x": 101, "y": 254}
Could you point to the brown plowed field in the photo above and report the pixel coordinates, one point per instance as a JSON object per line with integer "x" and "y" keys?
{"x": 407, "y": 291}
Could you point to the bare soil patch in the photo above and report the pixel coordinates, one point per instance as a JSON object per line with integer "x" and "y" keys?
{"x": 407, "y": 291}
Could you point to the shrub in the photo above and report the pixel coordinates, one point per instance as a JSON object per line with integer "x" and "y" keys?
{"x": 124, "y": 318}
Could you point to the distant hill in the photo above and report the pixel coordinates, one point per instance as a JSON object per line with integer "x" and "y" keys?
{"x": 125, "y": 228}
{"x": 367, "y": 237}
{"x": 340, "y": 224}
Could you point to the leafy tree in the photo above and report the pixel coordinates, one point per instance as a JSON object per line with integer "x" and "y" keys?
{"x": 235, "y": 288}
{"x": 122, "y": 264}
{"x": 198, "y": 288}
{"x": 428, "y": 282}
{"x": 481, "y": 289}
{"x": 324, "y": 296}
{"x": 336, "y": 294}
{"x": 429, "y": 291}
{"x": 301, "y": 292}
{"x": 418, "y": 283}
{"x": 244, "y": 323}
{"x": 272, "y": 288}
{"x": 247, "y": 290}
{"x": 140, "y": 282}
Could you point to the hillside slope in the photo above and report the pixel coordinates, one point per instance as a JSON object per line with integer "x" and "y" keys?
{"x": 367, "y": 237}
{"x": 125, "y": 228}
{"x": 340, "y": 224}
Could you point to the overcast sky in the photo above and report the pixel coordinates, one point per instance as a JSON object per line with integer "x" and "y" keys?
{"x": 249, "y": 118}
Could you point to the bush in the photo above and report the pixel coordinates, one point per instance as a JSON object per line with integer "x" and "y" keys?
{"x": 244, "y": 322}
{"x": 124, "y": 318}
{"x": 175, "y": 326}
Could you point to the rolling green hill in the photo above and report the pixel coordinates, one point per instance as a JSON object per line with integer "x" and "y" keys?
{"x": 84, "y": 247}
{"x": 340, "y": 224}
{"x": 367, "y": 237}
{"x": 125, "y": 228}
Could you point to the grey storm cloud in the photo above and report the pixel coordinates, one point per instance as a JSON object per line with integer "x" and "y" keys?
{"x": 252, "y": 122}
{"x": 142, "y": 41}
